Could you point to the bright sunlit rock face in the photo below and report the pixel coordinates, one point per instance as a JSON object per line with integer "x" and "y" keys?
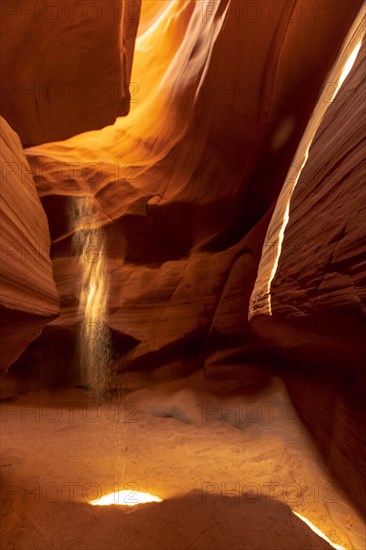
{"x": 125, "y": 498}
{"x": 347, "y": 68}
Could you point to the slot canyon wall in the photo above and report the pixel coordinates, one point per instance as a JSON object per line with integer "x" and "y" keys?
{"x": 317, "y": 295}
{"x": 65, "y": 65}
{"x": 185, "y": 190}
{"x": 28, "y": 296}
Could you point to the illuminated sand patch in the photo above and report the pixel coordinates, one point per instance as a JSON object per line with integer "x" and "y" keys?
{"x": 259, "y": 469}
{"x": 318, "y": 532}
{"x": 125, "y": 498}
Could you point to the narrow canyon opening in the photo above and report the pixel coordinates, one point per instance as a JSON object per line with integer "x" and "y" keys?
{"x": 183, "y": 289}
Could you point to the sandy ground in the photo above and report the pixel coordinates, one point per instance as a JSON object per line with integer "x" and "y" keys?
{"x": 229, "y": 473}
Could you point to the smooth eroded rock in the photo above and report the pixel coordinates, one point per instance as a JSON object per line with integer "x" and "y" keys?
{"x": 65, "y": 66}
{"x": 28, "y": 294}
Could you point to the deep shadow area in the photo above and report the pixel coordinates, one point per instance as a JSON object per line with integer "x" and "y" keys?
{"x": 52, "y": 360}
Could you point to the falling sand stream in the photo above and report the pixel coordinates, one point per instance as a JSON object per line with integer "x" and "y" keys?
{"x": 95, "y": 351}
{"x": 94, "y": 344}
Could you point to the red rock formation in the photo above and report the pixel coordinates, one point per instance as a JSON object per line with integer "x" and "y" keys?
{"x": 184, "y": 186}
{"x": 65, "y": 66}
{"x": 28, "y": 295}
{"x": 317, "y": 295}
{"x": 166, "y": 188}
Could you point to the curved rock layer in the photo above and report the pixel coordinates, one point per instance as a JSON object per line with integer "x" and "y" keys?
{"x": 316, "y": 307}
{"x": 231, "y": 111}
{"x": 28, "y": 296}
{"x": 180, "y": 176}
{"x": 65, "y": 66}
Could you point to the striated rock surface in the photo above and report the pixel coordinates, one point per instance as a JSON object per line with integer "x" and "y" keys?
{"x": 28, "y": 295}
{"x": 315, "y": 312}
{"x": 65, "y": 66}
{"x": 312, "y": 281}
